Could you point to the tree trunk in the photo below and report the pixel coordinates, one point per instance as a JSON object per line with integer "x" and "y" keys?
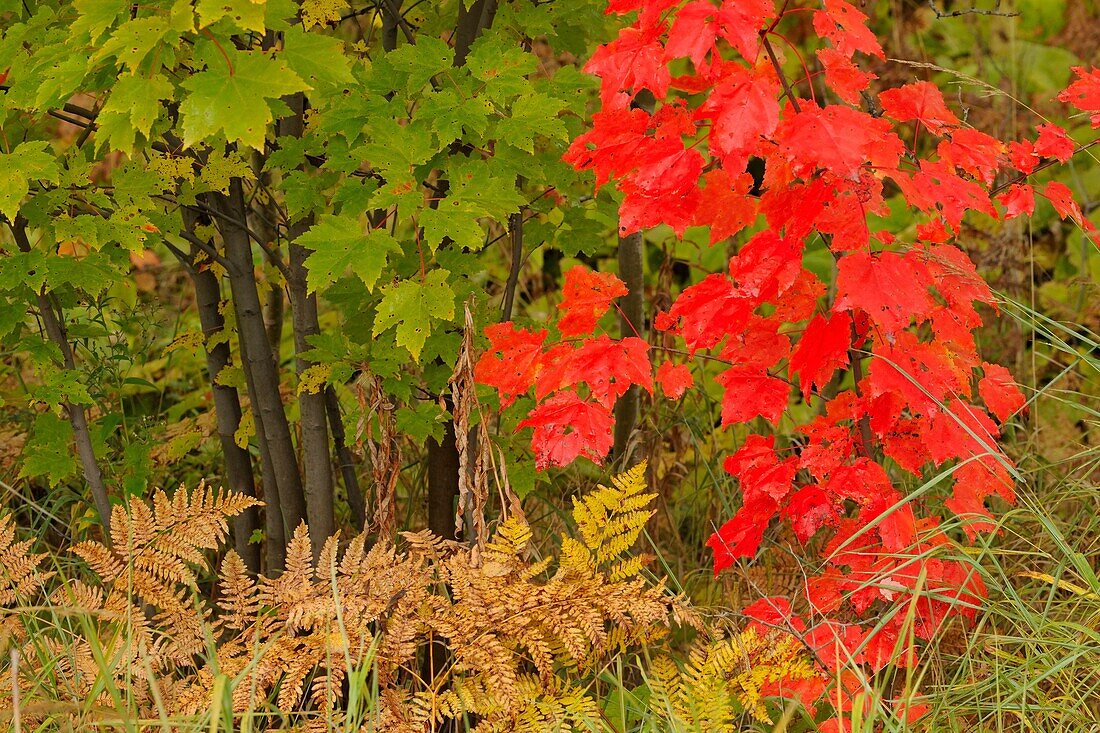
{"x": 227, "y": 407}
{"x": 473, "y": 18}
{"x": 345, "y": 460}
{"x": 267, "y": 405}
{"x": 313, "y": 418}
{"x": 443, "y": 482}
{"x": 316, "y": 461}
{"x": 631, "y": 323}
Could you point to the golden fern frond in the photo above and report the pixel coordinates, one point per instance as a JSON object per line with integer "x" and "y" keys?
{"x": 665, "y": 690}
{"x": 239, "y": 602}
{"x": 734, "y": 668}
{"x": 511, "y": 538}
{"x": 20, "y": 577}
{"x": 165, "y": 542}
{"x": 610, "y": 519}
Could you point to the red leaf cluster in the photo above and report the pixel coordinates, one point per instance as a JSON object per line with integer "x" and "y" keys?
{"x": 890, "y": 355}
{"x": 576, "y": 383}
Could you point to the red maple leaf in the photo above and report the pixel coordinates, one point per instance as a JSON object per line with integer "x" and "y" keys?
{"x": 822, "y": 350}
{"x": 567, "y": 427}
{"x": 921, "y": 101}
{"x": 1023, "y": 156}
{"x": 675, "y": 379}
{"x": 693, "y": 32}
{"x": 935, "y": 187}
{"x": 608, "y": 366}
{"x": 810, "y": 509}
{"x": 919, "y": 372}
{"x": 838, "y": 139}
{"x": 999, "y": 391}
{"x": 1053, "y": 142}
{"x": 973, "y": 152}
{"x": 794, "y": 208}
{"x": 743, "y": 109}
{"x": 960, "y": 430}
{"x": 632, "y": 62}
{"x": 512, "y": 361}
{"x": 707, "y": 312}
{"x": 957, "y": 280}
{"x": 759, "y": 345}
{"x": 1084, "y": 93}
{"x": 752, "y": 392}
{"x": 973, "y": 485}
{"x": 845, "y": 215}
{"x": 741, "y": 536}
{"x": 741, "y": 22}
{"x": 800, "y": 300}
{"x": 586, "y": 296}
{"x": 891, "y": 288}
{"x": 1018, "y": 199}
{"x": 759, "y": 469}
{"x": 724, "y": 205}
{"x": 767, "y": 265}
{"x": 843, "y": 76}
{"x": 1062, "y": 198}
{"x": 846, "y": 27}
{"x": 612, "y": 146}
{"x": 664, "y": 189}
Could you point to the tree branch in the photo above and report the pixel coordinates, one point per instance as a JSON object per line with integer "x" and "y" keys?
{"x": 78, "y": 419}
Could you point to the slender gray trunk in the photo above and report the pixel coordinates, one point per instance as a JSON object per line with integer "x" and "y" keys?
{"x": 55, "y": 330}
{"x": 267, "y": 406}
{"x": 227, "y": 407}
{"x": 631, "y": 323}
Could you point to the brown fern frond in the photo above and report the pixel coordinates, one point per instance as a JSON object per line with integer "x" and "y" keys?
{"x": 524, "y": 638}
{"x": 239, "y": 603}
{"x": 20, "y": 575}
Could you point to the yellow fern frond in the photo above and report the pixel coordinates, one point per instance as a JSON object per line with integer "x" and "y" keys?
{"x": 511, "y": 538}
{"x": 610, "y": 519}
{"x": 737, "y": 668}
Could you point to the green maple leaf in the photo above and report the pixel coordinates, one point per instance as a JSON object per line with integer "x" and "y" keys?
{"x": 96, "y": 16}
{"x": 316, "y": 58}
{"x": 339, "y": 244}
{"x": 29, "y": 161}
{"x": 320, "y": 12}
{"x": 131, "y": 110}
{"x": 134, "y": 40}
{"x": 448, "y": 115}
{"x": 233, "y": 100}
{"x": 92, "y": 274}
{"x": 501, "y": 67}
{"x": 430, "y": 56}
{"x": 476, "y": 191}
{"x": 245, "y": 14}
{"x": 532, "y": 114}
{"x": 49, "y": 452}
{"x": 411, "y": 306}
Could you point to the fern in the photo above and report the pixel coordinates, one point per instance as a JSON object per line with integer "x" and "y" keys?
{"x": 610, "y": 520}
{"x": 20, "y": 576}
{"x": 524, "y": 641}
{"x": 724, "y": 678}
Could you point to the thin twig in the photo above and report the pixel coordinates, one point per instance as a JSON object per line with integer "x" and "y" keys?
{"x": 515, "y": 229}
{"x": 971, "y": 11}
{"x": 205, "y": 247}
{"x": 1042, "y": 166}
{"x": 779, "y": 70}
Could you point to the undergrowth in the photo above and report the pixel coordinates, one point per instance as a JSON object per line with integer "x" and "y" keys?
{"x": 425, "y": 635}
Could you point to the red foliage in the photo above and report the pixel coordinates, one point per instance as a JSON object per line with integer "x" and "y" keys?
{"x": 1084, "y": 93}
{"x": 899, "y": 328}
